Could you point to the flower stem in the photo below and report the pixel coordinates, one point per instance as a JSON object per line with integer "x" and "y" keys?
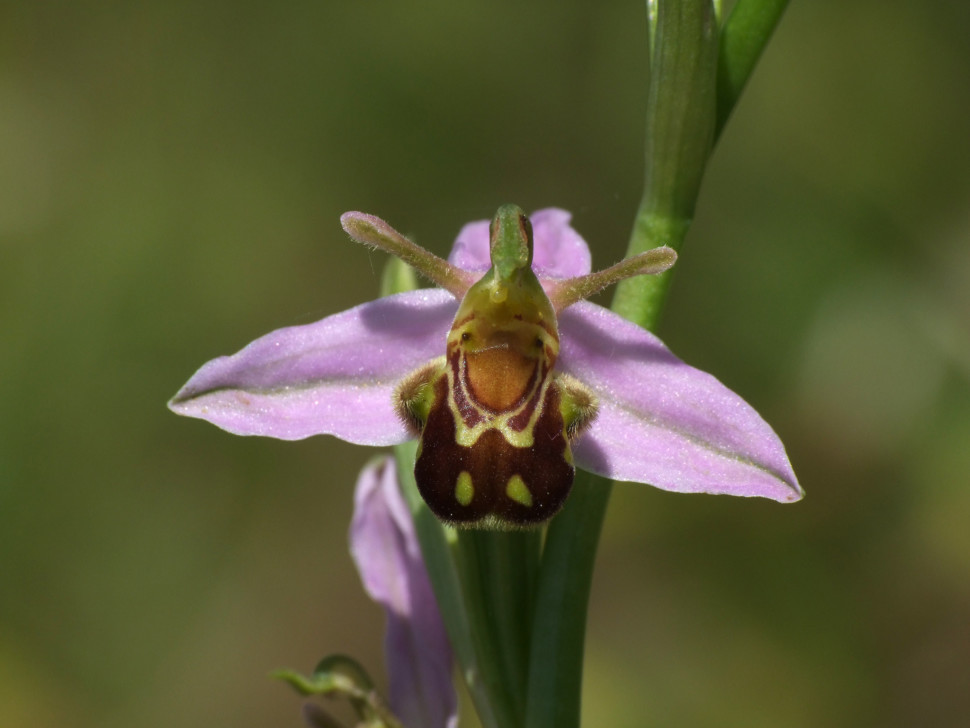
{"x": 681, "y": 107}
{"x": 687, "y": 106}
{"x": 559, "y": 626}
{"x": 499, "y": 569}
{"x": 680, "y": 124}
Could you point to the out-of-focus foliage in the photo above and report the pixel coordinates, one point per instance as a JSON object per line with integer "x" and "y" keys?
{"x": 171, "y": 176}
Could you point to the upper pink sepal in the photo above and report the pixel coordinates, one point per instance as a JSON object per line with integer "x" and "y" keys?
{"x": 559, "y": 251}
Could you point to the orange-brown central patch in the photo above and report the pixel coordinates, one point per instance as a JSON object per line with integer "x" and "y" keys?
{"x": 499, "y": 377}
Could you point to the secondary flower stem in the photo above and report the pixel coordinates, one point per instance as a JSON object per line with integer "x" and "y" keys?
{"x": 681, "y": 108}
{"x": 680, "y": 124}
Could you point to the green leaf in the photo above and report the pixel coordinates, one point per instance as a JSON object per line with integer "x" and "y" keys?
{"x": 743, "y": 37}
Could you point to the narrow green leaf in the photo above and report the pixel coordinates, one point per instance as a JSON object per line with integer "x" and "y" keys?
{"x": 743, "y": 37}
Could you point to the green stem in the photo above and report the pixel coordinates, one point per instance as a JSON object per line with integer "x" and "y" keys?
{"x": 499, "y": 570}
{"x": 680, "y": 123}
{"x": 680, "y": 131}
{"x": 559, "y": 626}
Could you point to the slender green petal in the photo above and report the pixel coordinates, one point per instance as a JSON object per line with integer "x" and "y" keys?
{"x": 653, "y": 262}
{"x": 370, "y": 230}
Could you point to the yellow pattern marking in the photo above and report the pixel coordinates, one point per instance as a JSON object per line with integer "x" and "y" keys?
{"x": 464, "y": 490}
{"x": 518, "y": 491}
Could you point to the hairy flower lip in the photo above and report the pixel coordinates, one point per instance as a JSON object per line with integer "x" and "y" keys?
{"x": 660, "y": 422}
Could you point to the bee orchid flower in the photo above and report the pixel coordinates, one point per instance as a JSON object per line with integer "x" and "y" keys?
{"x": 506, "y": 374}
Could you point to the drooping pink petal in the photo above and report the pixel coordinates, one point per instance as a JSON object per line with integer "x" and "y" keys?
{"x": 336, "y": 376}
{"x": 559, "y": 251}
{"x": 386, "y": 551}
{"x": 663, "y": 422}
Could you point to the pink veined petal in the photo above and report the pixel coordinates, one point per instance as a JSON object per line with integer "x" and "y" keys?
{"x": 559, "y": 252}
{"x": 663, "y": 422}
{"x": 386, "y": 551}
{"x": 334, "y": 377}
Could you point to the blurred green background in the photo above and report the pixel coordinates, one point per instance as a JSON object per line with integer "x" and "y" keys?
{"x": 171, "y": 176}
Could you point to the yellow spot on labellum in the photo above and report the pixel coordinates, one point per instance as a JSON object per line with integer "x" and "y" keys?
{"x": 518, "y": 491}
{"x": 464, "y": 490}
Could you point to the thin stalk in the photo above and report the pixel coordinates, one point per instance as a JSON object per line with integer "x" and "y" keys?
{"x": 681, "y": 106}
{"x": 680, "y": 122}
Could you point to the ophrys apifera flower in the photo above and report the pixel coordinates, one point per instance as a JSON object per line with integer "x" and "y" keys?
{"x": 506, "y": 374}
